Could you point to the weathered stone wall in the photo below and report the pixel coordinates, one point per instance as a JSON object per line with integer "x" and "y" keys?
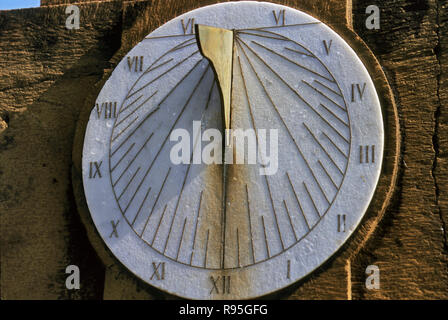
{"x": 410, "y": 245}
{"x": 47, "y": 73}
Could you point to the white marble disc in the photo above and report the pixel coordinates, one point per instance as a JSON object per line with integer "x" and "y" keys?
{"x": 164, "y": 221}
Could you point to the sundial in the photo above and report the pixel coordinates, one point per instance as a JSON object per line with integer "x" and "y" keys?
{"x": 233, "y": 151}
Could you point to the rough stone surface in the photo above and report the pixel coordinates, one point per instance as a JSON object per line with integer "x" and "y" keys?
{"x": 47, "y": 72}
{"x": 410, "y": 246}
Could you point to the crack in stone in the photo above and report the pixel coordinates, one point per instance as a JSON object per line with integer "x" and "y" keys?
{"x": 435, "y": 138}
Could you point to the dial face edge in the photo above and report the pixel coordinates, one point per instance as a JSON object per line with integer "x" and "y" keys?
{"x": 106, "y": 226}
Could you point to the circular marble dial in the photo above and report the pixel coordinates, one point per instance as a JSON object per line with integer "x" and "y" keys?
{"x": 305, "y": 120}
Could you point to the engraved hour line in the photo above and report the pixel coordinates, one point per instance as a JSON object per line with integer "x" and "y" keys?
{"x": 290, "y": 220}
{"x": 125, "y": 188}
{"x": 135, "y": 129}
{"x": 275, "y": 213}
{"x": 121, "y": 109}
{"x": 174, "y": 124}
{"x": 299, "y": 52}
{"x": 312, "y": 200}
{"x": 121, "y": 159}
{"x": 334, "y": 115}
{"x": 280, "y": 38}
{"x": 289, "y": 60}
{"x": 158, "y": 225}
{"x": 277, "y": 113}
{"x": 322, "y": 147}
{"x": 312, "y": 172}
{"x": 155, "y": 203}
{"x": 178, "y": 47}
{"x": 328, "y": 88}
{"x": 180, "y": 81}
{"x": 175, "y": 48}
{"x": 188, "y": 44}
{"x": 287, "y": 40}
{"x": 328, "y": 123}
{"x": 253, "y": 121}
{"x": 328, "y": 175}
{"x": 177, "y": 204}
{"x": 131, "y": 113}
{"x": 298, "y": 201}
{"x": 200, "y": 199}
{"x": 188, "y": 170}
{"x": 162, "y": 74}
{"x": 298, "y": 148}
{"x": 130, "y": 201}
{"x": 325, "y": 96}
{"x": 140, "y": 208}
{"x": 292, "y": 89}
{"x": 265, "y": 176}
{"x": 284, "y": 26}
{"x": 250, "y": 225}
{"x": 249, "y": 216}
{"x": 182, "y": 189}
{"x": 265, "y": 238}
{"x": 206, "y": 248}
{"x": 286, "y": 127}
{"x": 181, "y": 239}
{"x": 334, "y": 144}
{"x": 124, "y": 130}
{"x": 260, "y": 35}
{"x": 266, "y": 179}
{"x": 159, "y": 65}
{"x": 210, "y": 94}
{"x": 133, "y": 159}
{"x": 223, "y": 215}
{"x": 196, "y": 227}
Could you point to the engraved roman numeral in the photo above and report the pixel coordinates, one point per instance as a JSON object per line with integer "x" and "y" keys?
{"x": 327, "y": 46}
{"x": 135, "y": 63}
{"x": 188, "y": 26}
{"x": 288, "y": 270}
{"x": 341, "y": 222}
{"x": 106, "y": 110}
{"x": 95, "y": 170}
{"x": 367, "y": 154}
{"x": 114, "y": 228}
{"x": 158, "y": 271}
{"x": 279, "y": 17}
{"x": 356, "y": 88}
{"x": 220, "y": 284}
